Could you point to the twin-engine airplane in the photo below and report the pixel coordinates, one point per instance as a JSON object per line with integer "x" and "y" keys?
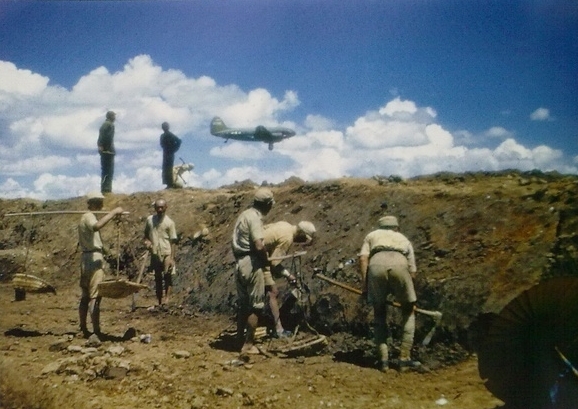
{"x": 258, "y": 134}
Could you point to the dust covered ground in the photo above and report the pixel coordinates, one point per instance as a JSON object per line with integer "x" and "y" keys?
{"x": 480, "y": 240}
{"x": 40, "y": 369}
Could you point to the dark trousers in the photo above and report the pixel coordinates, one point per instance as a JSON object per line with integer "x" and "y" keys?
{"x": 163, "y": 277}
{"x": 107, "y": 172}
{"x": 168, "y": 163}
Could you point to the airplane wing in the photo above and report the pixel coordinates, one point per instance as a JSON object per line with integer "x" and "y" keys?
{"x": 263, "y": 134}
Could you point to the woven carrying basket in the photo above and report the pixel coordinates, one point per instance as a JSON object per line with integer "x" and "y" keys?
{"x": 32, "y": 284}
{"x": 119, "y": 288}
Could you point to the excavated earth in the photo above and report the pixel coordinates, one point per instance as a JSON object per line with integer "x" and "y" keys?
{"x": 481, "y": 239}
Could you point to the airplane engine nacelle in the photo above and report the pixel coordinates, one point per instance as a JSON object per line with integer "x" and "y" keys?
{"x": 262, "y": 134}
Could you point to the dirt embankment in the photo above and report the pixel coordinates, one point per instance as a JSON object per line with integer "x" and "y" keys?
{"x": 480, "y": 240}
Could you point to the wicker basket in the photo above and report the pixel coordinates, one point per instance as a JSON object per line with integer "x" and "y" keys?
{"x": 119, "y": 288}
{"x": 32, "y": 284}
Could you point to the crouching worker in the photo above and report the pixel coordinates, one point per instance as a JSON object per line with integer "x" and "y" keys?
{"x": 160, "y": 239}
{"x": 92, "y": 261}
{"x": 387, "y": 266}
{"x": 279, "y": 237}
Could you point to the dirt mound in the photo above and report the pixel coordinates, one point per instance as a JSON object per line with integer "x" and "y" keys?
{"x": 480, "y": 239}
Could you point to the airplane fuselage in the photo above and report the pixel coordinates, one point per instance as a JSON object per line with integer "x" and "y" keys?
{"x": 258, "y": 134}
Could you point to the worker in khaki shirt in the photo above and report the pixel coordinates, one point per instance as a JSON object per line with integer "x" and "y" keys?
{"x": 387, "y": 266}
{"x": 251, "y": 259}
{"x": 279, "y": 237}
{"x": 160, "y": 239}
{"x": 92, "y": 261}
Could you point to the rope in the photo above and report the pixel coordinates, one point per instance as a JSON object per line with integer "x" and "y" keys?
{"x": 118, "y": 249}
{"x": 296, "y": 271}
{"x": 28, "y": 244}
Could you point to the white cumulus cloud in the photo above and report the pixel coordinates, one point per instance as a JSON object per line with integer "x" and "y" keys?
{"x": 48, "y": 135}
{"x": 540, "y": 114}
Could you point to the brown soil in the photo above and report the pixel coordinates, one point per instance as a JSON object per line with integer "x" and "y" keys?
{"x": 480, "y": 240}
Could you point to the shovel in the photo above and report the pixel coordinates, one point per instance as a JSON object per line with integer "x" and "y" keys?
{"x": 436, "y": 315}
{"x": 144, "y": 259}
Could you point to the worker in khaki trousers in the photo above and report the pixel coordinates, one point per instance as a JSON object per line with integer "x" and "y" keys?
{"x": 387, "y": 266}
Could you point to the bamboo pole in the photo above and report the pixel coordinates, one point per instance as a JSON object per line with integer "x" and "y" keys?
{"x": 59, "y": 212}
{"x": 118, "y": 249}
{"x": 141, "y": 270}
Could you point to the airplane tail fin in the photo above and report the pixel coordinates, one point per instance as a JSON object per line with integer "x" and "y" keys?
{"x": 217, "y": 125}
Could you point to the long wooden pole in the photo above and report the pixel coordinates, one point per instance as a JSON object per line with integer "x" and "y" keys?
{"x": 58, "y": 212}
{"x": 435, "y": 314}
{"x": 293, "y": 255}
{"x": 118, "y": 250}
{"x": 141, "y": 270}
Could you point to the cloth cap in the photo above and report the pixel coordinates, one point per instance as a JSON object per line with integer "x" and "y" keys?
{"x": 388, "y": 221}
{"x": 307, "y": 227}
{"x": 94, "y": 195}
{"x": 110, "y": 115}
{"x": 263, "y": 195}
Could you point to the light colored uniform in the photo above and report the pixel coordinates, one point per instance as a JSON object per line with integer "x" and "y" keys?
{"x": 278, "y": 238}
{"x": 161, "y": 233}
{"x": 92, "y": 260}
{"x": 249, "y": 269}
{"x": 391, "y": 260}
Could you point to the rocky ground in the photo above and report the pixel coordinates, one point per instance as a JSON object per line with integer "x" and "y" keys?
{"x": 480, "y": 240}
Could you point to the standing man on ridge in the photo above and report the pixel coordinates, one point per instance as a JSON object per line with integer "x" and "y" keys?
{"x": 106, "y": 150}
{"x": 170, "y": 144}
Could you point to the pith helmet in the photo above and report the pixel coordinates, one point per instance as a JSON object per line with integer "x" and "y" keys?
{"x": 263, "y": 195}
{"x": 388, "y": 221}
{"x": 308, "y": 228}
{"x": 94, "y": 196}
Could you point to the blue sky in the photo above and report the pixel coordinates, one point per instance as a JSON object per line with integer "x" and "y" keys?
{"x": 383, "y": 87}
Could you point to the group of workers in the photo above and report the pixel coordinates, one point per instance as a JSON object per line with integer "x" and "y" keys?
{"x": 169, "y": 142}
{"x": 386, "y": 266}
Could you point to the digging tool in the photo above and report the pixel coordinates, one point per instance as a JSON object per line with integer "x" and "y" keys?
{"x": 141, "y": 270}
{"x": 180, "y": 169}
{"x": 292, "y": 255}
{"x": 429, "y": 335}
{"x": 436, "y": 315}
{"x": 337, "y": 283}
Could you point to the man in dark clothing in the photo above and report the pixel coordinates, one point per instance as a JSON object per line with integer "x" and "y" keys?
{"x": 106, "y": 150}
{"x": 170, "y": 144}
